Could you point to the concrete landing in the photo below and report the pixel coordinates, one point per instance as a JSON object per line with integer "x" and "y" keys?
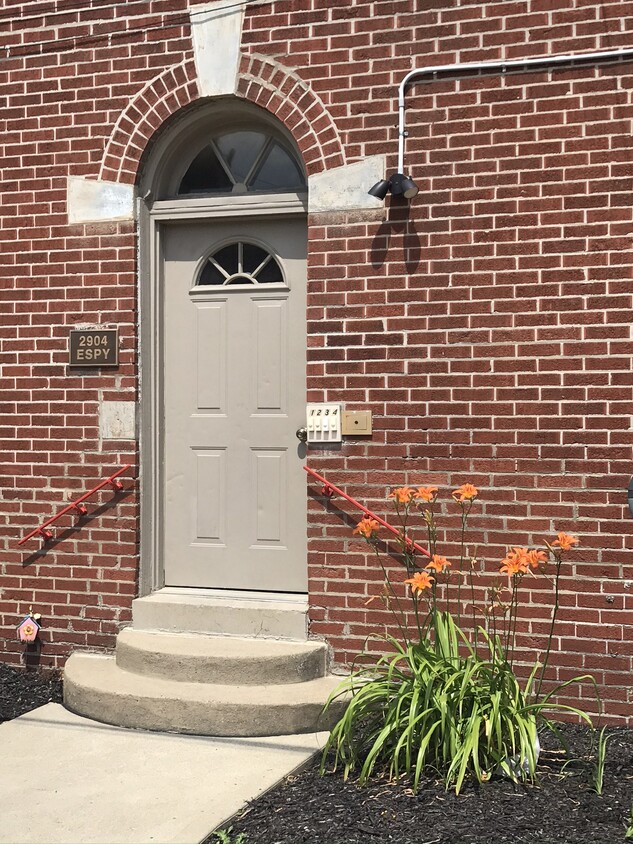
{"x": 67, "y": 780}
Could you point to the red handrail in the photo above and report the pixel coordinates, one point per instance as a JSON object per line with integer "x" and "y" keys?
{"x": 330, "y": 490}
{"x": 75, "y": 505}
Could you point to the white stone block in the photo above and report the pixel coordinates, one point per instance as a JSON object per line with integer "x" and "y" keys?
{"x": 92, "y": 201}
{"x": 217, "y": 37}
{"x": 117, "y": 420}
{"x": 345, "y": 188}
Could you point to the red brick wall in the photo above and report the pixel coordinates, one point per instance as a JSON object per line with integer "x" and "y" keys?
{"x": 487, "y": 326}
{"x": 67, "y": 78}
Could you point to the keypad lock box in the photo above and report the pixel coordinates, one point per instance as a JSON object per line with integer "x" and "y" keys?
{"x": 323, "y": 423}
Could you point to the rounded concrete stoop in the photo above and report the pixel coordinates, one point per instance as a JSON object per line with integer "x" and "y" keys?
{"x": 204, "y": 684}
{"x": 230, "y": 660}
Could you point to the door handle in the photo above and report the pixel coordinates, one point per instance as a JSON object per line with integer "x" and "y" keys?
{"x": 302, "y": 434}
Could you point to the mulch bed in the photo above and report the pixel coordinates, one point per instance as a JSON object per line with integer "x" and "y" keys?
{"x": 561, "y": 808}
{"x": 22, "y": 690}
{"x": 310, "y": 809}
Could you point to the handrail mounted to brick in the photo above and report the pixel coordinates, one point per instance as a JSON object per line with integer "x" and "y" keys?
{"x": 77, "y": 506}
{"x": 330, "y": 491}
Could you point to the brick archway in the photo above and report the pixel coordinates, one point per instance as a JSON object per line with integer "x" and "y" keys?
{"x": 280, "y": 91}
{"x": 261, "y": 81}
{"x": 166, "y": 94}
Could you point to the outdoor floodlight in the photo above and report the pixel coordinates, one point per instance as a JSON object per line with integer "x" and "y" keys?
{"x": 380, "y": 189}
{"x": 398, "y": 184}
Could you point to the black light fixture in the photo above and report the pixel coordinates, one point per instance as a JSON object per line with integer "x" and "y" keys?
{"x": 380, "y": 189}
{"x": 398, "y": 184}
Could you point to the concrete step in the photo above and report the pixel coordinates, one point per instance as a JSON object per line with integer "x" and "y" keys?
{"x": 223, "y": 613}
{"x": 94, "y": 686}
{"x": 197, "y": 658}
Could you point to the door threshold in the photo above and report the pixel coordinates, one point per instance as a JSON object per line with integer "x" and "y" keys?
{"x": 233, "y": 594}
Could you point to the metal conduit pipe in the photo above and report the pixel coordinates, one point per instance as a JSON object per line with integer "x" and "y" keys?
{"x": 500, "y": 65}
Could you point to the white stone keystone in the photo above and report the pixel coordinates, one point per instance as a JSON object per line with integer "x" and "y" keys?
{"x": 217, "y": 37}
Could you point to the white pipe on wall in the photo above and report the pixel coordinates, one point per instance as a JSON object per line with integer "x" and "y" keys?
{"x": 542, "y": 61}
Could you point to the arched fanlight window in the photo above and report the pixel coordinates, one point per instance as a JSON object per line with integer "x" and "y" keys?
{"x": 242, "y": 162}
{"x": 240, "y": 262}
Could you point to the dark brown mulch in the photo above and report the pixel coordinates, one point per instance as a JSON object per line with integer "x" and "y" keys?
{"x": 561, "y": 809}
{"x": 22, "y": 690}
{"x": 309, "y": 809}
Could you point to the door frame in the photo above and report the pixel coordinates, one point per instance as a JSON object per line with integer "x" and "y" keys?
{"x": 151, "y": 352}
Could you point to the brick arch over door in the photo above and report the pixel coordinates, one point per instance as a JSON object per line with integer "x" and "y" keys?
{"x": 261, "y": 81}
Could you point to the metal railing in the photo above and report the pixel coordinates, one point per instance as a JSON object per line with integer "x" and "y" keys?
{"x": 77, "y": 506}
{"x": 329, "y": 490}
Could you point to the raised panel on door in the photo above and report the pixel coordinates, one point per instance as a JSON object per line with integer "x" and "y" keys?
{"x": 211, "y": 356}
{"x": 269, "y": 362}
{"x": 269, "y": 478}
{"x": 234, "y": 394}
{"x": 208, "y": 497}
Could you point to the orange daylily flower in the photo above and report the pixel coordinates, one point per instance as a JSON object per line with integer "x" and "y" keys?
{"x": 438, "y": 563}
{"x": 466, "y": 492}
{"x": 402, "y": 495}
{"x": 367, "y": 527}
{"x": 535, "y": 558}
{"x": 516, "y": 561}
{"x": 512, "y": 567}
{"x": 420, "y": 581}
{"x": 426, "y": 493}
{"x": 565, "y": 541}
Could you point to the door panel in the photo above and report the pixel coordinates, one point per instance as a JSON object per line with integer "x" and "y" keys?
{"x": 209, "y": 471}
{"x": 234, "y": 498}
{"x": 211, "y": 360}
{"x": 269, "y": 360}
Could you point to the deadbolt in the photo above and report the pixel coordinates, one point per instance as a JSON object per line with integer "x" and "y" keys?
{"x": 302, "y": 434}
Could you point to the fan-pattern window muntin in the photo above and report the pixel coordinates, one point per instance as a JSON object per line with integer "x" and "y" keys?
{"x": 242, "y": 162}
{"x": 240, "y": 262}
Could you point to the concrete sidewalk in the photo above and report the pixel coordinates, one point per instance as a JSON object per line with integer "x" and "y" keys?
{"x": 67, "y": 780}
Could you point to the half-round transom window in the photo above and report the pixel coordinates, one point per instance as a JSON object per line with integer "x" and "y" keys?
{"x": 243, "y": 162}
{"x": 240, "y": 263}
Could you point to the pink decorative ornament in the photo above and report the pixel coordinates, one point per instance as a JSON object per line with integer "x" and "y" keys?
{"x": 28, "y": 629}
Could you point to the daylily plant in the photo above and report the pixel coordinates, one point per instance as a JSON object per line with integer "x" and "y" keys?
{"x": 445, "y": 697}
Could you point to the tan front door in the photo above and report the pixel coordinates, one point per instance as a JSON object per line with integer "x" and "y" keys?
{"x": 234, "y": 500}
